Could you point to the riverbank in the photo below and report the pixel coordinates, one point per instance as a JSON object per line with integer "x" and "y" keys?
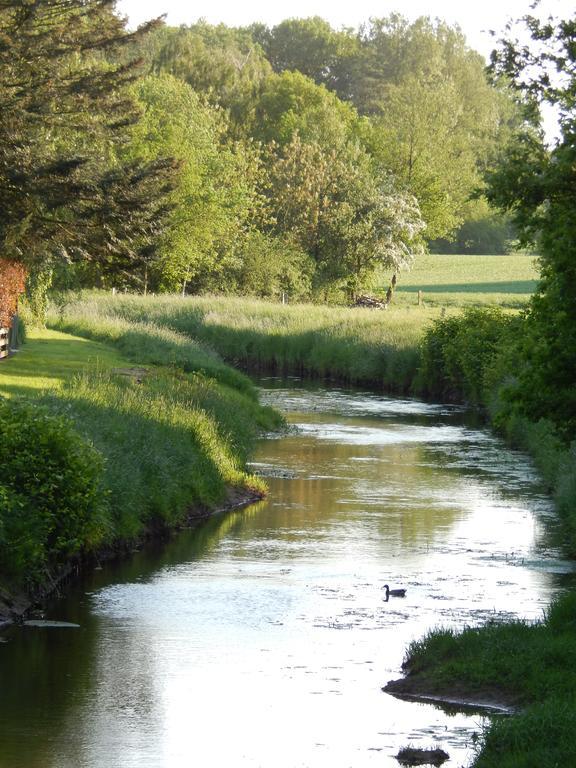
{"x": 527, "y": 667}
{"x": 160, "y": 443}
{"x": 373, "y": 348}
{"x": 19, "y": 605}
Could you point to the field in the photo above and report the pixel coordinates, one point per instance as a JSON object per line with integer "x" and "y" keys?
{"x": 458, "y": 281}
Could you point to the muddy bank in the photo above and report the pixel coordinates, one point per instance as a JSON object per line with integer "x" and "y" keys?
{"x": 424, "y": 689}
{"x": 18, "y": 605}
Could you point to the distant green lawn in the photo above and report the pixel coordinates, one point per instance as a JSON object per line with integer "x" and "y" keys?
{"x": 450, "y": 280}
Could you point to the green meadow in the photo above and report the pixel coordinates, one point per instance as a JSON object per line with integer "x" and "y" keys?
{"x": 371, "y": 347}
{"x": 462, "y": 281}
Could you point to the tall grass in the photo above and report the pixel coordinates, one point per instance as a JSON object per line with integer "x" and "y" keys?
{"x": 149, "y": 343}
{"x": 170, "y": 443}
{"x": 358, "y": 346}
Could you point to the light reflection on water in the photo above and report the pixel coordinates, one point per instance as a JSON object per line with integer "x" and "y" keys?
{"x": 262, "y": 639}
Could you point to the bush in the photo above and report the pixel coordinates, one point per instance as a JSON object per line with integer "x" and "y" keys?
{"x": 457, "y": 353}
{"x": 50, "y": 500}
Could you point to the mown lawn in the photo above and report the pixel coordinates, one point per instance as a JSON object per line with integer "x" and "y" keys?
{"x": 50, "y": 358}
{"x": 460, "y": 281}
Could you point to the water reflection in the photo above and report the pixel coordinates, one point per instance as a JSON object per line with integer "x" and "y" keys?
{"x": 262, "y": 638}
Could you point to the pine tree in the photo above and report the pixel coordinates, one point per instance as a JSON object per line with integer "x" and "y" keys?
{"x": 65, "y": 117}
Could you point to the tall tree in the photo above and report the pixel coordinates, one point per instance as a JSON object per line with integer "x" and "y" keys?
{"x": 214, "y": 200}
{"x": 435, "y": 117}
{"x": 312, "y": 47}
{"x": 225, "y": 64}
{"x": 537, "y": 184}
{"x": 292, "y": 103}
{"x": 333, "y": 204}
{"x": 65, "y": 66}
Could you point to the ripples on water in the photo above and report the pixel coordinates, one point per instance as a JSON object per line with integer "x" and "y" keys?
{"x": 261, "y": 638}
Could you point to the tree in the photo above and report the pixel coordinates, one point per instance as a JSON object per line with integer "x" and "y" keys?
{"x": 224, "y": 64}
{"x": 435, "y": 117}
{"x": 65, "y": 66}
{"x": 313, "y": 48}
{"x": 333, "y": 204}
{"x": 536, "y": 185}
{"x": 214, "y": 194}
{"x": 292, "y": 103}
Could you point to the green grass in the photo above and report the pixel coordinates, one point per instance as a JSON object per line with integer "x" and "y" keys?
{"x": 533, "y": 664}
{"x": 174, "y": 441}
{"x": 359, "y": 346}
{"x": 462, "y": 281}
{"x": 50, "y": 359}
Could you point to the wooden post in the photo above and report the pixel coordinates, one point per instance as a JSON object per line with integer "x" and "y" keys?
{"x": 4, "y": 346}
{"x": 13, "y": 334}
{"x": 419, "y": 298}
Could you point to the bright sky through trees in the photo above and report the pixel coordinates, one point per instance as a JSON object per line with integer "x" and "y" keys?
{"x": 475, "y": 19}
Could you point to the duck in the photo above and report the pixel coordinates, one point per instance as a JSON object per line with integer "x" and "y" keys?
{"x": 393, "y": 592}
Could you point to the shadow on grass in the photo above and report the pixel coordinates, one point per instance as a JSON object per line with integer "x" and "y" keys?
{"x": 325, "y": 353}
{"x": 515, "y": 287}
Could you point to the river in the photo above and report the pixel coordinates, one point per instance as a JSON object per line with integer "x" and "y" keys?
{"x": 261, "y": 638}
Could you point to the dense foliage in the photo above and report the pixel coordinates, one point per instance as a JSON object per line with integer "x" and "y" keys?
{"x": 457, "y": 353}
{"x": 50, "y": 496}
{"x": 536, "y": 185}
{"x": 165, "y": 159}
{"x": 65, "y": 112}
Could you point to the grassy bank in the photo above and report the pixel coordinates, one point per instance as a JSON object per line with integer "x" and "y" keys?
{"x": 171, "y": 438}
{"x": 530, "y": 665}
{"x": 357, "y": 346}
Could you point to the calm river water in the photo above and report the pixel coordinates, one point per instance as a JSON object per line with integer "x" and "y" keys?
{"x": 261, "y": 638}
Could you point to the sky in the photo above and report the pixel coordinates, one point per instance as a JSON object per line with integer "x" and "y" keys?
{"x": 475, "y": 17}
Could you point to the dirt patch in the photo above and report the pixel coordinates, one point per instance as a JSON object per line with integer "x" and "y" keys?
{"x": 132, "y": 373}
{"x": 456, "y": 695}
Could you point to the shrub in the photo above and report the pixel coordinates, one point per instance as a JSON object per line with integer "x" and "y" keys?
{"x": 457, "y": 353}
{"x": 50, "y": 500}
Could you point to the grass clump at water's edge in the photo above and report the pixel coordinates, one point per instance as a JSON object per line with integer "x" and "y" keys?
{"x": 532, "y": 665}
{"x": 173, "y": 441}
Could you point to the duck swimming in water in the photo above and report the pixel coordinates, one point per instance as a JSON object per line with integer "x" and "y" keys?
{"x": 393, "y": 592}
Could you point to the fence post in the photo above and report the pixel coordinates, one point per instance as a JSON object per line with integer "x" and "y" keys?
{"x": 13, "y": 334}
{"x": 4, "y": 345}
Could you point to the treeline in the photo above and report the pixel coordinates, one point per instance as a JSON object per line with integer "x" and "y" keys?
{"x": 297, "y": 159}
{"x": 523, "y": 368}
